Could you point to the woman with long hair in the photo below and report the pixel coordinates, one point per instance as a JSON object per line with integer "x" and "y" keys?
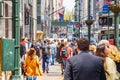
{"x": 109, "y": 65}
{"x": 114, "y": 54}
{"x": 32, "y": 65}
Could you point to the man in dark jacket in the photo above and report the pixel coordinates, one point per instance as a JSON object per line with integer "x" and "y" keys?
{"x": 84, "y": 66}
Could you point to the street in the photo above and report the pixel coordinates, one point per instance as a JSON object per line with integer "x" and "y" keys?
{"x": 51, "y": 29}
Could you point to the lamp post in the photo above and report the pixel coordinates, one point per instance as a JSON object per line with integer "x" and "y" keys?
{"x": 89, "y": 21}
{"x": 75, "y": 13}
{"x": 116, "y": 9}
{"x": 79, "y": 20}
{"x": 76, "y": 19}
{"x": 77, "y": 8}
{"x": 16, "y": 36}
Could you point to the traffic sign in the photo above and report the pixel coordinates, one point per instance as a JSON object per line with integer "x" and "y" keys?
{"x": 105, "y": 9}
{"x": 90, "y": 17}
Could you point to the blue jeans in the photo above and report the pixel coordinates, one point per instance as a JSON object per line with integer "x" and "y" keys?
{"x": 52, "y": 60}
{"x": 64, "y": 62}
{"x": 45, "y": 62}
{"x": 31, "y": 78}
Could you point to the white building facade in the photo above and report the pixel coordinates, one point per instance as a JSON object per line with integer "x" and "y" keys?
{"x": 28, "y": 18}
{"x": 6, "y": 20}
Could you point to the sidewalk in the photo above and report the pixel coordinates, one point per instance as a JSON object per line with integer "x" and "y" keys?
{"x": 54, "y": 73}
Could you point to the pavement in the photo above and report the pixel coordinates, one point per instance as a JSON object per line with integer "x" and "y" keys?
{"x": 54, "y": 73}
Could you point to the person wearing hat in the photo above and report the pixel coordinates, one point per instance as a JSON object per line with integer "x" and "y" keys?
{"x": 32, "y": 65}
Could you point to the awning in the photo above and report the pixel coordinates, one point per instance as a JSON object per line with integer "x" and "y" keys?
{"x": 62, "y": 24}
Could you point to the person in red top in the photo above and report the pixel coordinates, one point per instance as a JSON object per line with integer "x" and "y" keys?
{"x": 22, "y": 47}
{"x": 22, "y": 41}
{"x": 68, "y": 53}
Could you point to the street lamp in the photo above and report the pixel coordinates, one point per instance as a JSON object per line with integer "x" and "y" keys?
{"x": 89, "y": 21}
{"x": 79, "y": 20}
{"x": 16, "y": 36}
{"x": 115, "y": 8}
{"x": 79, "y": 17}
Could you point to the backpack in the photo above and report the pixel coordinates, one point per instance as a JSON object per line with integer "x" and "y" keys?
{"x": 64, "y": 52}
{"x": 37, "y": 48}
{"x": 45, "y": 50}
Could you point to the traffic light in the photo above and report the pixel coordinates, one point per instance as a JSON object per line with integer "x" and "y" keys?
{"x": 105, "y": 21}
{"x": 102, "y": 20}
{"x": 1, "y": 8}
{"x": 78, "y": 25}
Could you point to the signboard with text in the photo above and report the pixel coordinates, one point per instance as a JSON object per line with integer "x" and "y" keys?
{"x": 105, "y": 9}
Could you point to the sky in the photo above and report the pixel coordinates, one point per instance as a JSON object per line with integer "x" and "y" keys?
{"x": 69, "y": 4}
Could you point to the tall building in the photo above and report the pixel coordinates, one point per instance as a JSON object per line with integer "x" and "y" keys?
{"x": 42, "y": 13}
{"x": 6, "y": 20}
{"x": 84, "y": 10}
{"x": 81, "y": 9}
{"x": 49, "y": 13}
{"x": 30, "y": 19}
{"x": 57, "y": 6}
{"x": 38, "y": 14}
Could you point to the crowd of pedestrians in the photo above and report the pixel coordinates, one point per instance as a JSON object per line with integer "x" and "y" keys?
{"x": 100, "y": 62}
{"x": 77, "y": 58}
